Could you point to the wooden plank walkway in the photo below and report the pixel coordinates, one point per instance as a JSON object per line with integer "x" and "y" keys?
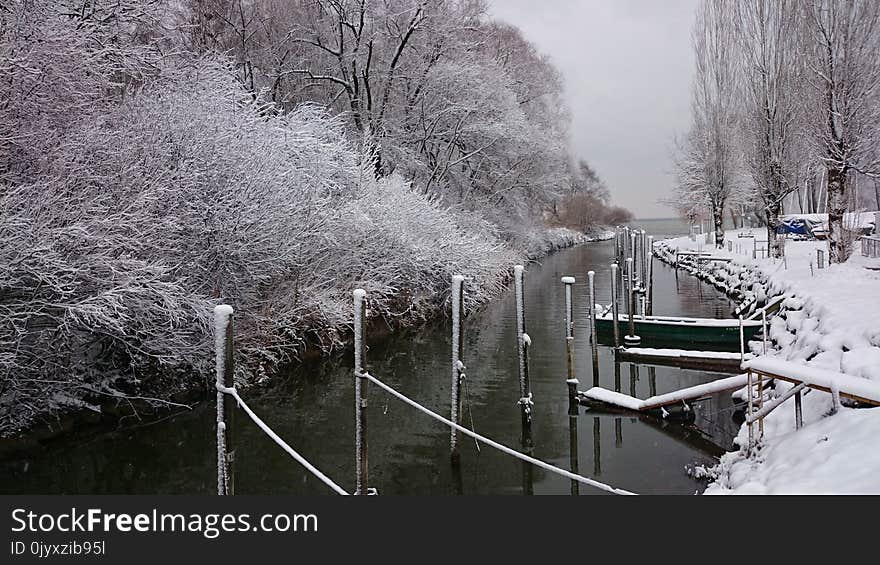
{"x": 848, "y": 386}
{"x": 610, "y": 397}
{"x": 720, "y": 361}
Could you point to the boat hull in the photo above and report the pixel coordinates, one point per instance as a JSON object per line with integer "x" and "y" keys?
{"x": 658, "y": 331}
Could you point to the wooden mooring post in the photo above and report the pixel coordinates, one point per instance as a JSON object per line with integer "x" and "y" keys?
{"x": 594, "y": 336}
{"x": 615, "y": 307}
{"x": 597, "y": 447}
{"x": 360, "y": 394}
{"x": 225, "y": 378}
{"x": 573, "y": 449}
{"x": 523, "y": 342}
{"x": 631, "y": 268}
{"x": 631, "y": 338}
{"x": 751, "y": 392}
{"x": 650, "y": 292}
{"x": 457, "y": 365}
{"x": 571, "y": 380}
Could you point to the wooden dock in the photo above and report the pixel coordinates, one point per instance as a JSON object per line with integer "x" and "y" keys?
{"x": 718, "y": 361}
{"x": 602, "y": 396}
{"x": 847, "y": 386}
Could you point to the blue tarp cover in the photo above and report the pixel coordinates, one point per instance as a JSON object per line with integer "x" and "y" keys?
{"x": 798, "y": 226}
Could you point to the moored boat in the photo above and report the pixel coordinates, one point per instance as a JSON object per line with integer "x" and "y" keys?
{"x": 723, "y": 333}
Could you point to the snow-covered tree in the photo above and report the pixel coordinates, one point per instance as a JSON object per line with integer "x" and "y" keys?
{"x": 707, "y": 167}
{"x": 770, "y": 116}
{"x": 841, "y": 50}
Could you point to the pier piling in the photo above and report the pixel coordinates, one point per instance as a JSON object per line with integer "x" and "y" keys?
{"x": 223, "y": 319}
{"x": 360, "y": 394}
{"x": 631, "y": 338}
{"x": 615, "y": 307}
{"x": 457, "y": 365}
{"x": 523, "y": 342}
{"x": 650, "y": 277}
{"x": 594, "y": 338}
{"x": 571, "y": 381}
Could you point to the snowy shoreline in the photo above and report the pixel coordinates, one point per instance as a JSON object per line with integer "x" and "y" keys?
{"x": 829, "y": 319}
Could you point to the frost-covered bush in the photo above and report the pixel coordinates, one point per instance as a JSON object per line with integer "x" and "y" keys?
{"x": 140, "y": 185}
{"x": 190, "y": 193}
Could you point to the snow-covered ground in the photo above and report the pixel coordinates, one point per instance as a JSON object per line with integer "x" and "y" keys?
{"x": 830, "y": 320}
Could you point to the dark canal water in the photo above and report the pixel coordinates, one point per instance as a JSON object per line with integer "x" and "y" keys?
{"x": 312, "y": 408}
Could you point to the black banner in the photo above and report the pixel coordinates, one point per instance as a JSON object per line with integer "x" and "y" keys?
{"x": 142, "y": 529}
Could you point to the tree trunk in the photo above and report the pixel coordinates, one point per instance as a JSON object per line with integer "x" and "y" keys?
{"x": 771, "y": 212}
{"x": 718, "y": 217}
{"x": 839, "y": 247}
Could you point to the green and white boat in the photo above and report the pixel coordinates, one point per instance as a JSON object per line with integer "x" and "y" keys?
{"x": 667, "y": 330}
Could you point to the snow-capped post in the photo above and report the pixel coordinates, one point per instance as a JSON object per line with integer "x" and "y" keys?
{"x": 645, "y": 252}
{"x": 650, "y": 277}
{"x": 632, "y": 257}
{"x": 820, "y": 258}
{"x": 798, "y": 411}
{"x": 523, "y": 342}
{"x": 631, "y": 338}
{"x": 742, "y": 342}
{"x": 835, "y": 398}
{"x": 751, "y": 393}
{"x": 764, "y": 329}
{"x": 754, "y": 248}
{"x": 571, "y": 381}
{"x": 360, "y": 394}
{"x": 225, "y": 370}
{"x": 457, "y": 365}
{"x": 615, "y": 308}
{"x": 594, "y": 338}
{"x": 641, "y": 257}
{"x": 760, "y": 406}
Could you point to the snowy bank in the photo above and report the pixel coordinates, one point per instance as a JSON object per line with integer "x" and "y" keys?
{"x": 829, "y": 320}
{"x": 541, "y": 242}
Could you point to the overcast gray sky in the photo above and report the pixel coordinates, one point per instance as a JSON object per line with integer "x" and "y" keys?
{"x": 628, "y": 67}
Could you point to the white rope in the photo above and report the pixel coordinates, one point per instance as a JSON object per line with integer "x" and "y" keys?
{"x": 495, "y": 444}
{"x": 281, "y": 443}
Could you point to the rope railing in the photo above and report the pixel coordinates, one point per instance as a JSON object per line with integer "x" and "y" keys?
{"x": 492, "y": 443}
{"x": 225, "y": 386}
{"x": 281, "y": 443}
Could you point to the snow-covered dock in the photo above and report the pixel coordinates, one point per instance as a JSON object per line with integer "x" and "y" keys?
{"x": 722, "y": 361}
{"x": 619, "y": 400}
{"x": 856, "y": 388}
